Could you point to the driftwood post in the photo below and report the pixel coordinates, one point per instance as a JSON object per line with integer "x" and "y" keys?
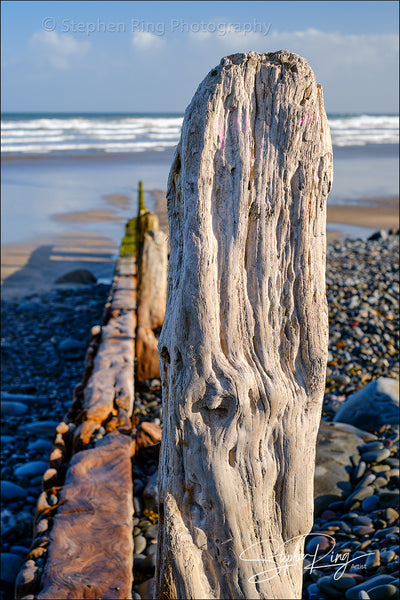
{"x": 244, "y": 343}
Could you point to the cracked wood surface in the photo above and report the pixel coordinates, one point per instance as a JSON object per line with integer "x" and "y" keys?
{"x": 244, "y": 342}
{"x": 90, "y": 552}
{"x": 90, "y": 543}
{"x": 110, "y": 386}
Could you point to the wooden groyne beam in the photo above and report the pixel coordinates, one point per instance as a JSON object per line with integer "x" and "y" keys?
{"x": 84, "y": 518}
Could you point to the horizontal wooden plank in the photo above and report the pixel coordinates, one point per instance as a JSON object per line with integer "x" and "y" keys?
{"x": 91, "y": 545}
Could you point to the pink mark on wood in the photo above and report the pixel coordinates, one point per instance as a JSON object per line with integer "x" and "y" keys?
{"x": 307, "y": 118}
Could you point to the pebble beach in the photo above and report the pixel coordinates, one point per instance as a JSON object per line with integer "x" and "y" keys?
{"x": 44, "y": 338}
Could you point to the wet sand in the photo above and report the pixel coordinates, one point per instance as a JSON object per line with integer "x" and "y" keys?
{"x": 374, "y": 214}
{"x": 34, "y": 266}
{"x": 95, "y": 215}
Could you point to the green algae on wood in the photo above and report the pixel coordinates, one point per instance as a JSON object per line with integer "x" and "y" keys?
{"x": 129, "y": 244}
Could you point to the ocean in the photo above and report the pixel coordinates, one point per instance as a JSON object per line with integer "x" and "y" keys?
{"x": 56, "y": 164}
{"x": 77, "y": 134}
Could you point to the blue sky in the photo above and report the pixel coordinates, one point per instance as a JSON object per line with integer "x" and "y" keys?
{"x": 151, "y": 56}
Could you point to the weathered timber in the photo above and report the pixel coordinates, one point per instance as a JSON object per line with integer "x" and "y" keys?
{"x": 89, "y": 548}
{"x": 110, "y": 387}
{"x": 244, "y": 342}
{"x": 92, "y": 529}
{"x": 152, "y": 296}
{"x": 147, "y": 361}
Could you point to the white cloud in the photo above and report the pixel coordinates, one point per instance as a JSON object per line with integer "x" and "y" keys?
{"x": 144, "y": 40}
{"x": 57, "y": 50}
{"x": 358, "y": 72}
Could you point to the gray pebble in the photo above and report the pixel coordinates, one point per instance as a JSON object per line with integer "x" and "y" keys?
{"x": 376, "y": 456}
{"x": 313, "y": 591}
{"x": 360, "y": 470}
{"x": 138, "y": 559}
{"x": 352, "y": 593}
{"x": 360, "y": 494}
{"x": 380, "y": 482}
{"x": 70, "y": 346}
{"x": 363, "y": 520}
{"x": 148, "y": 564}
{"x": 10, "y": 565}
{"x": 39, "y": 428}
{"x": 343, "y": 581}
{"x": 373, "y": 561}
{"x": 37, "y": 445}
{"x": 370, "y": 503}
{"x": 139, "y": 544}
{"x": 367, "y": 480}
{"x": 9, "y": 409}
{"x": 388, "y": 531}
{"x": 387, "y": 556}
{"x": 325, "y": 584}
{"x": 383, "y": 592}
{"x": 376, "y": 445}
{"x": 10, "y": 491}
{"x": 30, "y": 469}
{"x": 152, "y": 548}
{"x": 137, "y": 505}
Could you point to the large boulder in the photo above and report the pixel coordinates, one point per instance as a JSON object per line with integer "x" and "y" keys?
{"x": 82, "y": 276}
{"x": 374, "y": 405}
{"x": 336, "y": 442}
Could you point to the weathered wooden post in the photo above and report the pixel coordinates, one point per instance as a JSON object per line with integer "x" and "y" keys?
{"x": 152, "y": 262}
{"x": 244, "y": 342}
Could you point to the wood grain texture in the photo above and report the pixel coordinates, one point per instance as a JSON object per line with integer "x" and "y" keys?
{"x": 90, "y": 552}
{"x": 152, "y": 293}
{"x": 244, "y": 342}
{"x": 110, "y": 386}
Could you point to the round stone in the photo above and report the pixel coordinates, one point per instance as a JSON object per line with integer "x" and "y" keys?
{"x": 373, "y": 560}
{"x": 369, "y": 504}
{"x": 140, "y": 544}
{"x": 326, "y": 585}
{"x": 360, "y": 469}
{"x": 376, "y": 456}
{"x": 318, "y": 544}
{"x": 343, "y": 581}
{"x": 11, "y": 409}
{"x": 30, "y": 469}
{"x": 10, "y": 491}
{"x": 39, "y": 428}
{"x": 363, "y": 530}
{"x": 359, "y": 495}
{"x": 383, "y": 592}
{"x": 70, "y": 346}
{"x": 10, "y": 565}
{"x": 375, "y": 445}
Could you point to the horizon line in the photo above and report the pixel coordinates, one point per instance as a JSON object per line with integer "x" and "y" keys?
{"x": 100, "y": 112}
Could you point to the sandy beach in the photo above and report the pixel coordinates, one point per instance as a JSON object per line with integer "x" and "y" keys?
{"x": 66, "y": 212}
{"x": 374, "y": 214}
{"x": 34, "y": 266}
